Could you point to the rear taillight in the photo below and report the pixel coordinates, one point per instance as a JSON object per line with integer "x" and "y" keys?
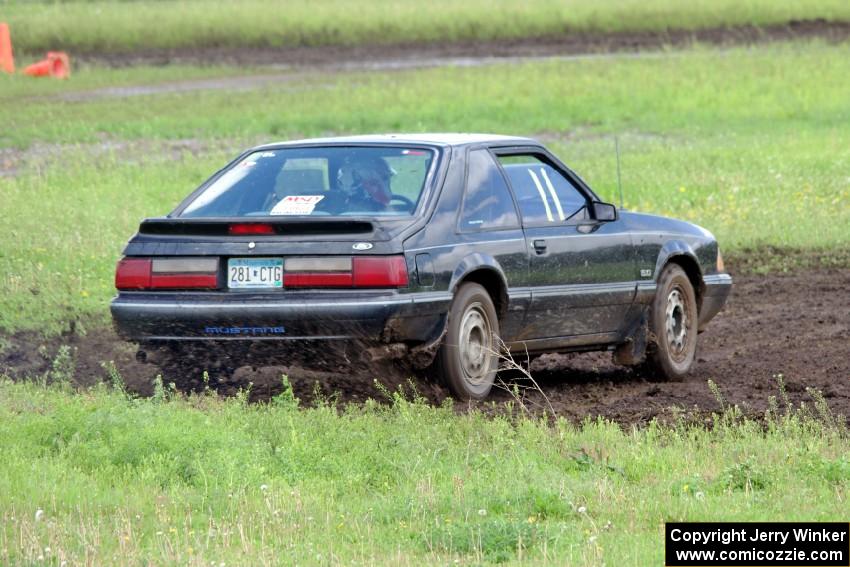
{"x": 250, "y": 228}
{"x": 133, "y": 273}
{"x": 380, "y": 271}
{"x": 299, "y": 272}
{"x": 361, "y": 271}
{"x": 344, "y": 279}
{"x": 184, "y": 281}
{"x": 166, "y": 273}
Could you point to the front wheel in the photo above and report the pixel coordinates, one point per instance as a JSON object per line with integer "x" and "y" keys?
{"x": 469, "y": 357}
{"x": 673, "y": 324}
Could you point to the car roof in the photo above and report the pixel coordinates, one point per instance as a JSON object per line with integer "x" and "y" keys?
{"x": 435, "y": 139}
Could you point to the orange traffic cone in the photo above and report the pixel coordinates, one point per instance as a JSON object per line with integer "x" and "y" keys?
{"x": 57, "y": 64}
{"x": 7, "y": 61}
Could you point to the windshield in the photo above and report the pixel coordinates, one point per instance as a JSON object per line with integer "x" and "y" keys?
{"x": 317, "y": 181}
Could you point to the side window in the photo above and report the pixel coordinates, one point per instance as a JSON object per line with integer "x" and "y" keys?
{"x": 487, "y": 202}
{"x": 544, "y": 195}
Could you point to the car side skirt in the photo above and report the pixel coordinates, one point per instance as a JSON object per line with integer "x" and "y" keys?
{"x": 595, "y": 341}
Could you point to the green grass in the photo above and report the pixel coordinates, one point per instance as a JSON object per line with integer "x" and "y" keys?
{"x": 202, "y": 481}
{"x": 117, "y": 26}
{"x": 59, "y": 255}
{"x": 759, "y": 160}
{"x": 776, "y": 88}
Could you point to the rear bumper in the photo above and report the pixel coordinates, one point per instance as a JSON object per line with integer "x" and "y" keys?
{"x": 717, "y": 290}
{"x": 314, "y": 316}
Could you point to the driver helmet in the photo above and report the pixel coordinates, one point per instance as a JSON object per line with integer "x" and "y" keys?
{"x": 367, "y": 177}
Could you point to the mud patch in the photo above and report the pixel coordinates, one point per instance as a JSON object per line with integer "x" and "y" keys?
{"x": 795, "y": 324}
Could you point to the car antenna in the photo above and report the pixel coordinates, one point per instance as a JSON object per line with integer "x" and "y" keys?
{"x": 619, "y": 180}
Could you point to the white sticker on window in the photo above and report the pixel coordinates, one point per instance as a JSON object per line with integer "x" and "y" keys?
{"x": 296, "y": 205}
{"x": 542, "y": 195}
{"x": 554, "y": 195}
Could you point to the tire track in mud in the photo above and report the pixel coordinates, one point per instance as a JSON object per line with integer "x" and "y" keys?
{"x": 795, "y": 324}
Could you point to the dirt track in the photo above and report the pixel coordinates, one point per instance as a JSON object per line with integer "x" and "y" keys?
{"x": 402, "y": 55}
{"x": 286, "y": 69}
{"x": 795, "y": 324}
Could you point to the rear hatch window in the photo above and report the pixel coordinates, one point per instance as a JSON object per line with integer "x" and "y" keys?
{"x": 318, "y": 181}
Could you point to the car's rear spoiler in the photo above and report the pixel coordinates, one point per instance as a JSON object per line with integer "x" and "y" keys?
{"x": 283, "y": 227}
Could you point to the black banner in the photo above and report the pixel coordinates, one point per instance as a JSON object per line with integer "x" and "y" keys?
{"x": 757, "y": 544}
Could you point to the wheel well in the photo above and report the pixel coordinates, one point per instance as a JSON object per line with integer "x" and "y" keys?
{"x": 492, "y": 282}
{"x": 693, "y": 272}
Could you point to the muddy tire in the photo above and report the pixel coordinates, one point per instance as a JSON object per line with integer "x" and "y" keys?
{"x": 469, "y": 357}
{"x": 673, "y": 327}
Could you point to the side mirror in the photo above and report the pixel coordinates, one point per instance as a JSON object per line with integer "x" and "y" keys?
{"x": 604, "y": 212}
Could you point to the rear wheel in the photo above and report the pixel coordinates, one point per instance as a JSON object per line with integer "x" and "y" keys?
{"x": 673, "y": 324}
{"x": 469, "y": 357}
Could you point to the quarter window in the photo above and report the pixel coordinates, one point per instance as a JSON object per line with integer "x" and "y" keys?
{"x": 487, "y": 202}
{"x": 543, "y": 193}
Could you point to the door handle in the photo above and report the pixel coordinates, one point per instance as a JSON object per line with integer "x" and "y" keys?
{"x": 539, "y": 246}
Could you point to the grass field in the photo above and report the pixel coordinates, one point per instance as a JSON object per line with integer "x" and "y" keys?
{"x": 750, "y": 143}
{"x": 120, "y": 26}
{"x": 96, "y": 478}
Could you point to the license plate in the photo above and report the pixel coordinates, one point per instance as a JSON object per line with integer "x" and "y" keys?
{"x": 254, "y": 273}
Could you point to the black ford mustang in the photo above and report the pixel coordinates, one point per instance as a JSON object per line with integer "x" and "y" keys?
{"x": 443, "y": 250}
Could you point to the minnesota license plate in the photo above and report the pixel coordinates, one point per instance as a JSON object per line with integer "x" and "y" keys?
{"x": 255, "y": 273}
